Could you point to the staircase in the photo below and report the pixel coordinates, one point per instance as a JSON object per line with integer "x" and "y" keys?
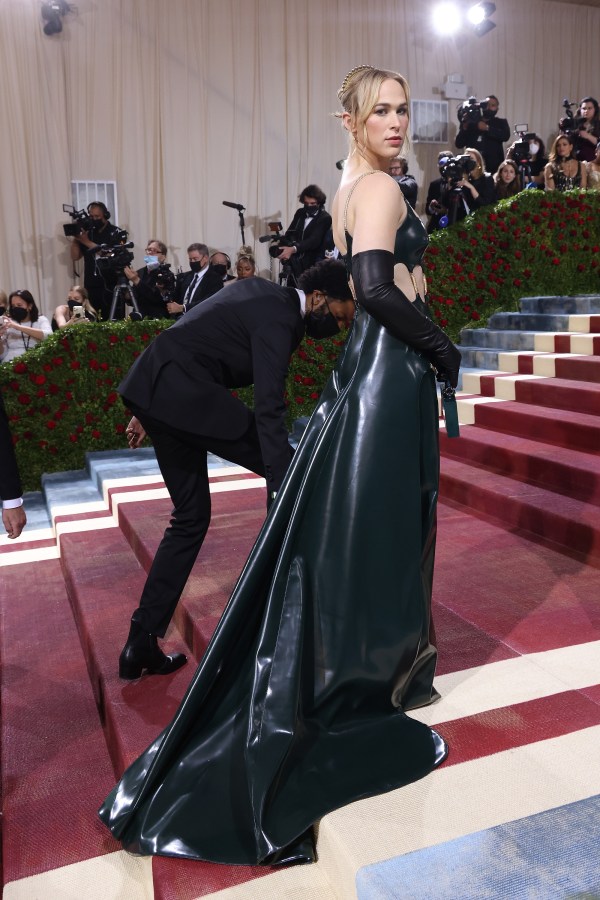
{"x": 526, "y": 467}
{"x": 530, "y": 413}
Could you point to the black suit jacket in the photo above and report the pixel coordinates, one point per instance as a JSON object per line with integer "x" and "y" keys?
{"x": 210, "y": 284}
{"x": 311, "y": 242}
{"x": 10, "y": 483}
{"x": 489, "y": 143}
{"x": 244, "y": 335}
{"x": 148, "y": 297}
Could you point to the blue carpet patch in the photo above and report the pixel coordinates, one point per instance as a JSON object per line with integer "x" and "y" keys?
{"x": 554, "y": 854}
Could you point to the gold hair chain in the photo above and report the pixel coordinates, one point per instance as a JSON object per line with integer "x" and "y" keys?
{"x": 349, "y": 76}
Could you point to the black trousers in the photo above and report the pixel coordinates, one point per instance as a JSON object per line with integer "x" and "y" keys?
{"x": 181, "y": 457}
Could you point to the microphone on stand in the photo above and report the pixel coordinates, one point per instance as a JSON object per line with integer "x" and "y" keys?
{"x": 237, "y": 206}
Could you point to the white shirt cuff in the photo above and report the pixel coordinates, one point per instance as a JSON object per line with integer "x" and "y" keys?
{"x": 12, "y": 504}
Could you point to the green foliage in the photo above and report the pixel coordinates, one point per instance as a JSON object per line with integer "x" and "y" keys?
{"x": 62, "y": 398}
{"x": 534, "y": 243}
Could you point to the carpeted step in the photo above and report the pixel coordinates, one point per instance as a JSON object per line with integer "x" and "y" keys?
{"x": 494, "y": 339}
{"x": 579, "y": 303}
{"x": 550, "y": 365}
{"x": 238, "y": 512}
{"x": 553, "y": 393}
{"x": 55, "y": 763}
{"x": 565, "y": 471}
{"x": 558, "y": 521}
{"x": 578, "y": 431}
{"x": 529, "y": 321}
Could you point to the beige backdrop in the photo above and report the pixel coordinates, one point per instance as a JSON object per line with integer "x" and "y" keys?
{"x": 191, "y": 102}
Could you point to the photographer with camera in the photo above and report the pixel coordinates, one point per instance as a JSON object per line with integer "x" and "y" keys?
{"x": 150, "y": 285}
{"x": 304, "y": 241}
{"x": 399, "y": 171}
{"x": 588, "y": 133}
{"x": 465, "y": 187}
{"x": 480, "y": 127}
{"x": 529, "y": 153}
{"x": 196, "y": 285}
{"x": 95, "y": 231}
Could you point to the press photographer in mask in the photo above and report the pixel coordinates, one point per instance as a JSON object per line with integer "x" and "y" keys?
{"x": 179, "y": 391}
{"x": 482, "y": 128}
{"x": 307, "y": 233}
{"x": 87, "y": 245}
{"x": 145, "y": 283}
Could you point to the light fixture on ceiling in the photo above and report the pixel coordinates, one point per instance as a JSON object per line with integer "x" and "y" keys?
{"x": 52, "y": 13}
{"x": 479, "y": 17}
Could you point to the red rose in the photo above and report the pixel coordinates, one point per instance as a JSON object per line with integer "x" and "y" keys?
{"x": 297, "y": 379}
{"x": 92, "y": 347}
{"x": 120, "y": 428}
{"x": 51, "y": 424}
{"x": 556, "y": 261}
{"x": 299, "y": 400}
{"x": 24, "y": 399}
{"x": 95, "y": 434}
{"x": 73, "y": 438}
{"x": 93, "y": 364}
{"x": 40, "y": 393}
{"x": 517, "y": 282}
{"x": 89, "y": 418}
{"x": 19, "y": 368}
{"x": 104, "y": 366}
{"x": 113, "y": 339}
{"x": 57, "y": 361}
{"x": 75, "y": 364}
{"x": 307, "y": 380}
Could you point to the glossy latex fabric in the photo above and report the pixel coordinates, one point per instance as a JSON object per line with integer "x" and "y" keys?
{"x": 297, "y": 706}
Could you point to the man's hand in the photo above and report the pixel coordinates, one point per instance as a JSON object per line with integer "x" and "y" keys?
{"x": 483, "y": 125}
{"x": 131, "y": 275}
{"x": 174, "y": 308}
{"x": 286, "y": 253}
{"x": 14, "y": 521}
{"x": 135, "y": 433}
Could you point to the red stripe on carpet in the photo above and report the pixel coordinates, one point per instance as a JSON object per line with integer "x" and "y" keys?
{"x": 570, "y": 429}
{"x": 11, "y": 547}
{"x": 503, "y": 729}
{"x": 55, "y": 764}
{"x": 560, "y": 393}
{"x": 519, "y": 592}
{"x": 581, "y": 368}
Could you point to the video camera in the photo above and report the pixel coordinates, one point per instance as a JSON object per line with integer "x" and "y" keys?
{"x": 166, "y": 281}
{"x": 570, "y": 124}
{"x": 112, "y": 258}
{"x": 471, "y": 111}
{"x": 520, "y": 148}
{"x": 82, "y": 221}
{"x": 277, "y": 239}
{"x": 455, "y": 168}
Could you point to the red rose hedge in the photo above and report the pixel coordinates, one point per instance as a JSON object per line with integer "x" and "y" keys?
{"x": 62, "y": 400}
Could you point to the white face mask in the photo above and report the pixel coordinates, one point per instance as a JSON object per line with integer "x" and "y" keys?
{"x": 534, "y": 148}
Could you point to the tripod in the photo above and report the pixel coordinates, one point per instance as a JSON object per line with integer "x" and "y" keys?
{"x": 122, "y": 295}
{"x": 287, "y": 277}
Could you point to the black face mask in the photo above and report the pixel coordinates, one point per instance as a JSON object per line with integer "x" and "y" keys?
{"x": 2, "y": 310}
{"x": 73, "y": 303}
{"x": 310, "y": 211}
{"x": 220, "y": 269}
{"x": 196, "y": 266}
{"x": 18, "y": 314}
{"x": 321, "y": 327}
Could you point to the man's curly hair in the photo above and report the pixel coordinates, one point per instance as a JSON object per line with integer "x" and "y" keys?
{"x": 328, "y": 276}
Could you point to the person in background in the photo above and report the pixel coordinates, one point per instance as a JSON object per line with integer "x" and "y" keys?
{"x": 593, "y": 171}
{"x": 564, "y": 172}
{"x": 196, "y": 285}
{"x": 536, "y": 161}
{"x": 507, "y": 180}
{"x": 433, "y": 204}
{"x": 86, "y": 246}
{"x": 144, "y": 283}
{"x": 589, "y": 132}
{"x": 245, "y": 264}
{"x": 3, "y": 302}
{"x": 307, "y": 232}
{"x": 487, "y": 135}
{"x": 65, "y": 314}
{"x": 22, "y": 326}
{"x": 409, "y": 187}
{"x": 221, "y": 264}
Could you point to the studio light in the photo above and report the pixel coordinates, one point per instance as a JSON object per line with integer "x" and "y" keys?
{"x": 479, "y": 17}
{"x": 52, "y": 12}
{"x": 447, "y": 18}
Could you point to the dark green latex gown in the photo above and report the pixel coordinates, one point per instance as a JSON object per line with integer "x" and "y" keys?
{"x": 297, "y": 706}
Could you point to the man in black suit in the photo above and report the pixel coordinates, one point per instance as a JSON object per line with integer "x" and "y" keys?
{"x": 13, "y": 512}
{"x": 196, "y": 285}
{"x": 179, "y": 391}
{"x": 307, "y": 232}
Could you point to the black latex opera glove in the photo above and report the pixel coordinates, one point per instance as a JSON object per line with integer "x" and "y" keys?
{"x": 373, "y": 276}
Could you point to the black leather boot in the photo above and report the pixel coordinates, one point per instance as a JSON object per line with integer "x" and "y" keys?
{"x": 142, "y": 652}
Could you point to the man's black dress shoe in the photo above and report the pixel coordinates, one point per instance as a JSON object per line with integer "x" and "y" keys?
{"x": 141, "y": 652}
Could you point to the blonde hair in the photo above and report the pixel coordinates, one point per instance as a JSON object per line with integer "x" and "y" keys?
{"x": 479, "y": 169}
{"x": 86, "y": 299}
{"x": 245, "y": 252}
{"x": 359, "y": 94}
